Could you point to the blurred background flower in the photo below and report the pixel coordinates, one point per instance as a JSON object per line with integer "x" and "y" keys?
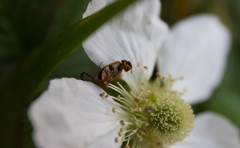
{"x": 25, "y": 25}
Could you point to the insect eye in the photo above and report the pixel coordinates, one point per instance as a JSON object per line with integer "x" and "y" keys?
{"x": 128, "y": 63}
{"x": 111, "y": 68}
{"x": 120, "y": 66}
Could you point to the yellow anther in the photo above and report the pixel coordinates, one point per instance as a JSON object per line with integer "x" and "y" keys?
{"x": 132, "y": 93}
{"x": 122, "y": 122}
{"x": 102, "y": 94}
{"x": 160, "y": 76}
{"x": 145, "y": 67}
{"x": 107, "y": 95}
{"x": 116, "y": 139}
{"x": 119, "y": 134}
{"x": 113, "y": 110}
{"x": 138, "y": 64}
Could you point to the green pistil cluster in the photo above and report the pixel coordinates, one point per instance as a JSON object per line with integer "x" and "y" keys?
{"x": 171, "y": 118}
{"x": 154, "y": 117}
{"x": 166, "y": 117}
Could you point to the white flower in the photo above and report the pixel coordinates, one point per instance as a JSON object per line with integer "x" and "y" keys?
{"x": 72, "y": 114}
{"x": 211, "y": 131}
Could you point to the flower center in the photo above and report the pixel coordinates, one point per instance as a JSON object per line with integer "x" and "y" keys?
{"x": 154, "y": 117}
{"x": 166, "y": 117}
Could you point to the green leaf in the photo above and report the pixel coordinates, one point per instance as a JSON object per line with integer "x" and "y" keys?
{"x": 39, "y": 64}
{"x": 74, "y": 65}
{"x": 25, "y": 23}
{"x": 68, "y": 13}
{"x": 227, "y": 104}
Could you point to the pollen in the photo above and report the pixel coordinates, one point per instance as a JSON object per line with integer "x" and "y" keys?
{"x": 160, "y": 76}
{"x": 122, "y": 122}
{"x": 138, "y": 64}
{"x": 113, "y": 110}
{"x": 107, "y": 95}
{"x": 116, "y": 140}
{"x": 102, "y": 94}
{"x": 119, "y": 134}
{"x": 145, "y": 67}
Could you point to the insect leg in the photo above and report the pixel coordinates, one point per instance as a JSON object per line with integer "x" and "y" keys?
{"x": 84, "y": 73}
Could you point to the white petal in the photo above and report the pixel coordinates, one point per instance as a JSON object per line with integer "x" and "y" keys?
{"x": 211, "y": 131}
{"x": 135, "y": 35}
{"x": 71, "y": 114}
{"x": 196, "y": 49}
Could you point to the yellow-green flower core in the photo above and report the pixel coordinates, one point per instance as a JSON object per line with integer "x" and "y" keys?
{"x": 156, "y": 116}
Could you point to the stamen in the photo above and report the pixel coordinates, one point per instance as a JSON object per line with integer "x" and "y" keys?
{"x": 117, "y": 89}
{"x": 145, "y": 67}
{"x": 153, "y": 112}
{"x": 122, "y": 100}
{"x": 124, "y": 90}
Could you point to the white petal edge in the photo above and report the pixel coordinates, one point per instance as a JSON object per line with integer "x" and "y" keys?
{"x": 196, "y": 49}
{"x": 211, "y": 131}
{"x": 135, "y": 35}
{"x": 71, "y": 114}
